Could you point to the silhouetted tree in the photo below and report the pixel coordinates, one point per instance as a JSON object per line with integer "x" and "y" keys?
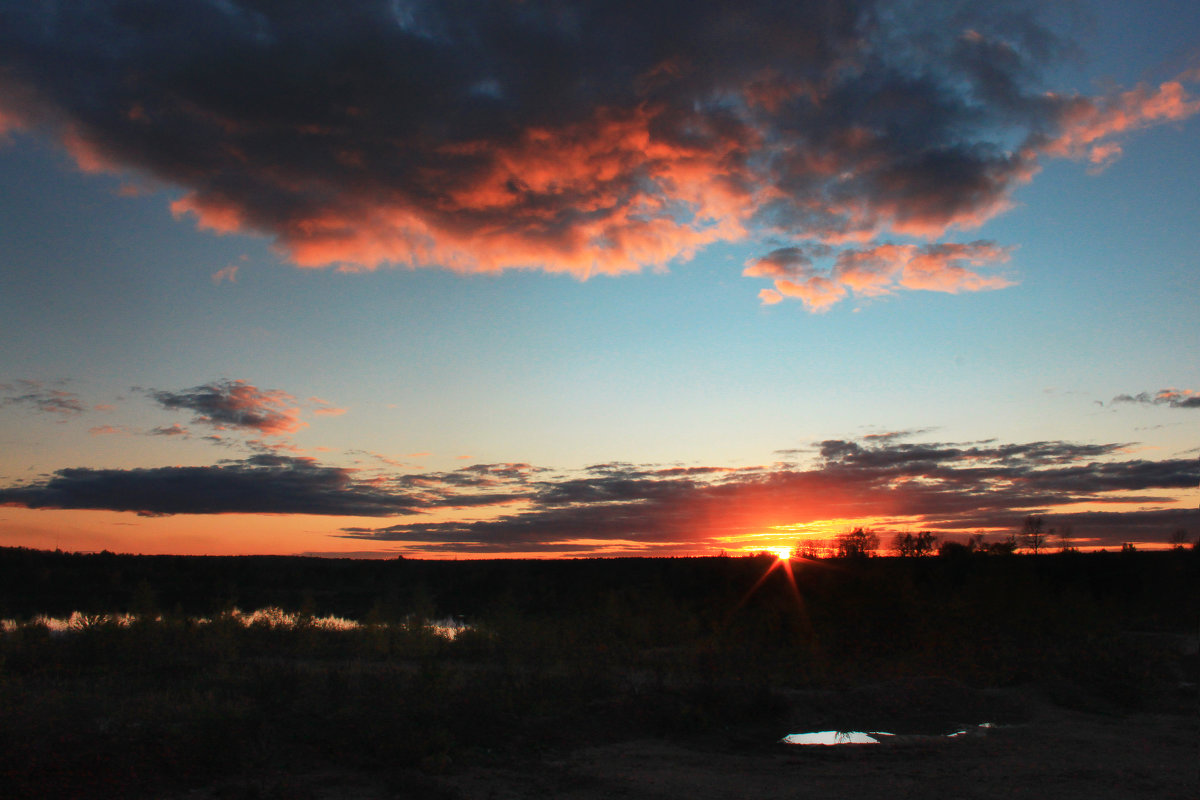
{"x": 978, "y": 544}
{"x": 1179, "y": 539}
{"x": 909, "y": 546}
{"x": 1033, "y": 534}
{"x": 858, "y": 543}
{"x": 952, "y": 549}
{"x": 1004, "y": 548}
{"x": 809, "y": 548}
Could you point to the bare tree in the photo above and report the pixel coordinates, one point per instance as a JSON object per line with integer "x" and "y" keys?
{"x": 1033, "y": 534}
{"x": 1179, "y": 539}
{"x": 1066, "y": 537}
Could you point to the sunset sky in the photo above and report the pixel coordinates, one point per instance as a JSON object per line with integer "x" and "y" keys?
{"x": 462, "y": 279}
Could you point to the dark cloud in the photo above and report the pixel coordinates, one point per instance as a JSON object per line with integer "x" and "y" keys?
{"x": 577, "y": 136}
{"x": 40, "y": 397}
{"x": 1172, "y": 398}
{"x": 949, "y": 487}
{"x": 260, "y": 484}
{"x": 233, "y": 404}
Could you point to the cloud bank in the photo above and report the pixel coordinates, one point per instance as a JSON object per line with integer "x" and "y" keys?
{"x": 499, "y": 508}
{"x": 582, "y": 136}
{"x": 265, "y": 484}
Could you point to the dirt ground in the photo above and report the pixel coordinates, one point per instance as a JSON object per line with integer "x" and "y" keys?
{"x": 1055, "y": 753}
{"x": 1044, "y": 750}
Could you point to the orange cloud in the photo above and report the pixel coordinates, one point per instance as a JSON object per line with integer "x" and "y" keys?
{"x": 88, "y": 157}
{"x": 880, "y": 270}
{"x": 228, "y": 273}
{"x": 210, "y": 213}
{"x": 1087, "y": 124}
{"x": 9, "y": 122}
{"x": 323, "y": 408}
{"x": 816, "y": 292}
{"x": 101, "y": 430}
{"x": 602, "y": 196}
{"x": 625, "y": 139}
{"x": 939, "y": 267}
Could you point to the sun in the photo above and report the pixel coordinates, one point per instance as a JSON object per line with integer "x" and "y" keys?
{"x": 782, "y": 552}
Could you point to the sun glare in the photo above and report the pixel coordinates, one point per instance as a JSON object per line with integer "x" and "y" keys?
{"x": 783, "y": 553}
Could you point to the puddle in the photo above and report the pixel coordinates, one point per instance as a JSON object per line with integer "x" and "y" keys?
{"x": 833, "y": 737}
{"x": 829, "y": 738}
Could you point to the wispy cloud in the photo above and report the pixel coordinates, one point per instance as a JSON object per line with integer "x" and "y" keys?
{"x": 107, "y": 430}
{"x": 170, "y": 430}
{"x": 1173, "y": 398}
{"x": 582, "y": 137}
{"x": 42, "y": 398}
{"x": 324, "y": 408}
{"x": 226, "y": 275}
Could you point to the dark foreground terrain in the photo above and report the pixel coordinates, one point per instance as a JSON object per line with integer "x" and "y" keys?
{"x": 646, "y": 678}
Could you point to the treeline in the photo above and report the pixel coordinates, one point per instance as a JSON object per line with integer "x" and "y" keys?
{"x": 1035, "y": 536}
{"x": 1151, "y": 588}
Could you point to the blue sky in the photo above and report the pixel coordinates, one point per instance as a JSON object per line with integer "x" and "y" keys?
{"x": 136, "y": 319}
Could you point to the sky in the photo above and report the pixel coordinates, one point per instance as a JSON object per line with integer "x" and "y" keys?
{"x": 561, "y": 279}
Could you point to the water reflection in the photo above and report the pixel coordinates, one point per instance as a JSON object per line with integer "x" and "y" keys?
{"x": 833, "y": 737}
{"x": 876, "y": 737}
{"x": 270, "y": 617}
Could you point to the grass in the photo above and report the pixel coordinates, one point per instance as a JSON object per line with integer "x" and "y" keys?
{"x": 129, "y": 704}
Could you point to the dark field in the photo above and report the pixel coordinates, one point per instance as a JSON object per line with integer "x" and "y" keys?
{"x": 600, "y": 678}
